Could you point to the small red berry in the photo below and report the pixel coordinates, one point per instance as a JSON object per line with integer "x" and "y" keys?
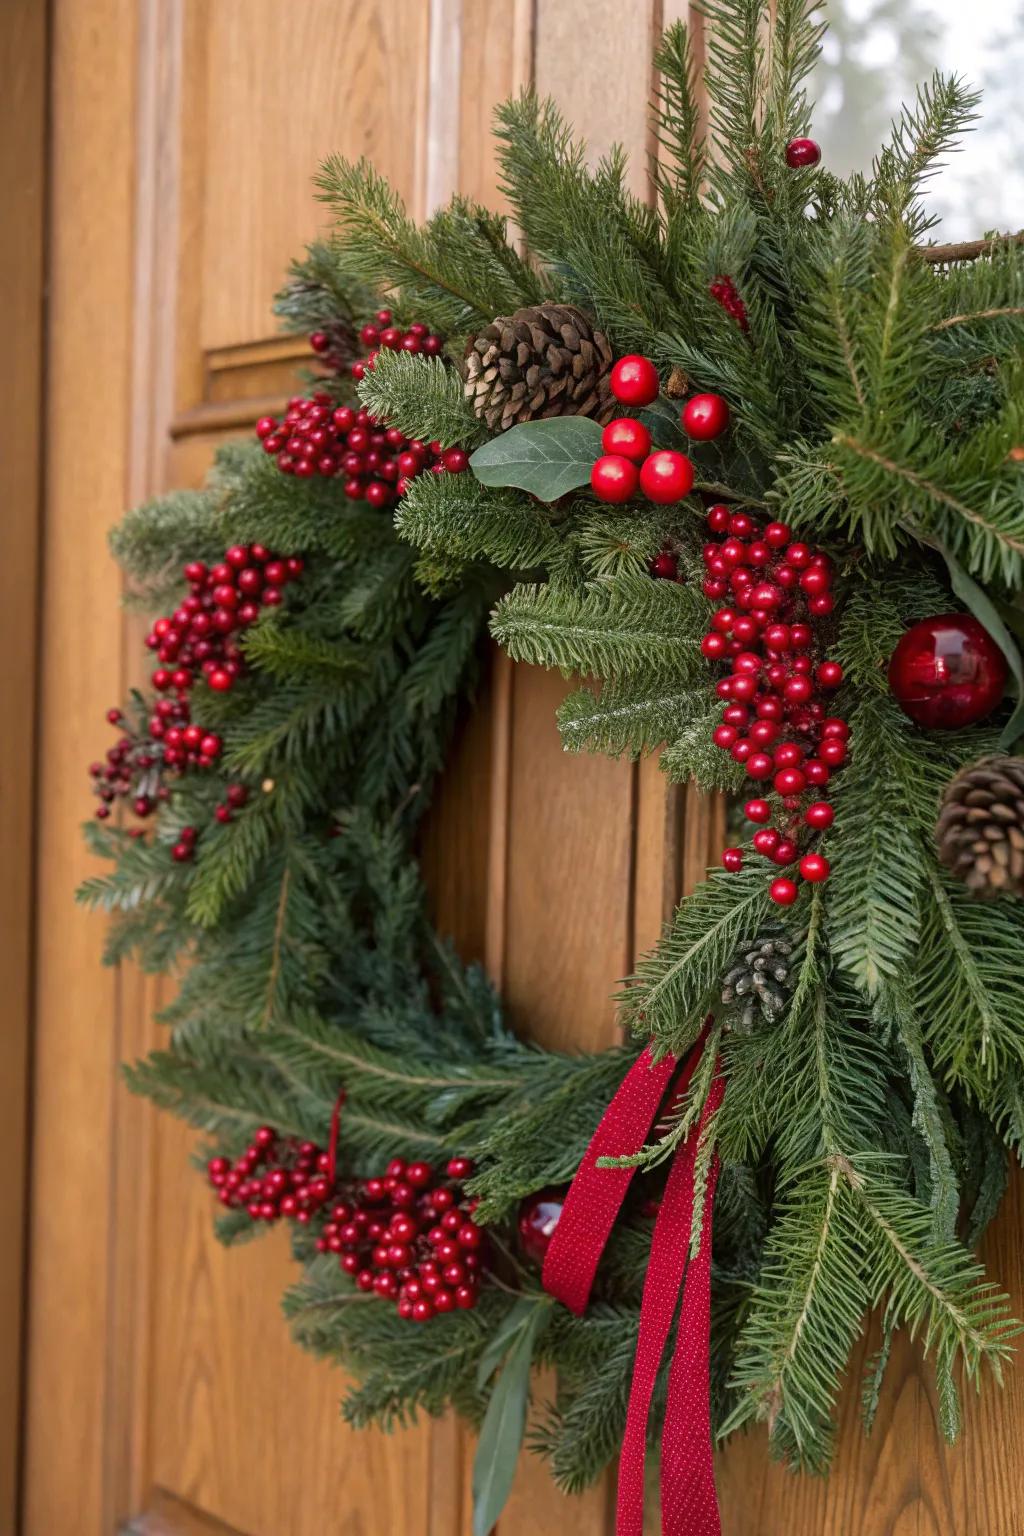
{"x": 634, "y": 380}
{"x": 820, "y": 815}
{"x": 783, "y": 891}
{"x": 757, "y": 810}
{"x": 815, "y": 867}
{"x": 705, "y": 417}
{"x": 732, "y": 859}
{"x": 666, "y": 476}
{"x": 664, "y": 566}
{"x": 628, "y": 437}
{"x": 614, "y": 478}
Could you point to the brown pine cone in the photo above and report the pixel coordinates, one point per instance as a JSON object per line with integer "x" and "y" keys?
{"x": 980, "y": 831}
{"x": 545, "y": 360}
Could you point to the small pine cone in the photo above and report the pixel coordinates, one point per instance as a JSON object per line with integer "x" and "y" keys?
{"x": 980, "y": 831}
{"x": 542, "y": 361}
{"x": 756, "y": 983}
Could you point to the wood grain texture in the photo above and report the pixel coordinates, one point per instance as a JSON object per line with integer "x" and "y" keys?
{"x": 88, "y": 374}
{"x": 285, "y": 88}
{"x": 23, "y": 42}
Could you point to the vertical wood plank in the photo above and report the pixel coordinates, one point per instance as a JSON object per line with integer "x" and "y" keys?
{"x": 23, "y": 42}
{"x": 88, "y": 369}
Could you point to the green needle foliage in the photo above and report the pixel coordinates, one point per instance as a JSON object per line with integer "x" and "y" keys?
{"x": 877, "y": 400}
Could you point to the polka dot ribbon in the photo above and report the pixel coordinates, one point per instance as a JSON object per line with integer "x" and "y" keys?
{"x": 689, "y": 1506}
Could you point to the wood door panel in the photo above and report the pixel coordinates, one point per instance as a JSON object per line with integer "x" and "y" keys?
{"x": 161, "y": 1368}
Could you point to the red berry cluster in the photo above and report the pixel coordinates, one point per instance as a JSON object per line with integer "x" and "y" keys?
{"x": 627, "y": 463}
{"x": 274, "y": 1177}
{"x": 223, "y": 600}
{"x": 723, "y": 290}
{"x": 134, "y": 768}
{"x": 317, "y": 437}
{"x": 774, "y": 721}
{"x": 382, "y": 332}
{"x": 410, "y": 1237}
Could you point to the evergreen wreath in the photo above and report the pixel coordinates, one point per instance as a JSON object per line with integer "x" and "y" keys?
{"x": 858, "y": 385}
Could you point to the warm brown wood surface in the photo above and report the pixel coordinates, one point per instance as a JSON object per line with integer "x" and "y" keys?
{"x": 164, "y": 1393}
{"x": 23, "y": 176}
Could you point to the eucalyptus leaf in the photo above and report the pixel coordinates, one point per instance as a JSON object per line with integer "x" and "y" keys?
{"x": 662, "y": 422}
{"x": 504, "y": 1424}
{"x": 501, "y": 1340}
{"x": 546, "y": 458}
{"x": 985, "y": 611}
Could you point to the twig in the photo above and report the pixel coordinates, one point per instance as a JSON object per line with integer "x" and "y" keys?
{"x": 967, "y": 250}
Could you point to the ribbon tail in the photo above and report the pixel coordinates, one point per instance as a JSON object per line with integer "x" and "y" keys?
{"x": 689, "y": 1503}
{"x": 688, "y": 1471}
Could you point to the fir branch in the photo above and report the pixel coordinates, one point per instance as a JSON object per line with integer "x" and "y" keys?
{"x": 421, "y": 396}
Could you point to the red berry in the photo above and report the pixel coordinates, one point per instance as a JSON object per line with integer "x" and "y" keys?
{"x": 626, "y": 437}
{"x": 776, "y": 535}
{"x": 664, "y": 566}
{"x": 666, "y": 476}
{"x": 766, "y": 841}
{"x": 614, "y": 478}
{"x": 832, "y": 751}
{"x": 790, "y": 781}
{"x": 829, "y": 674}
{"x": 319, "y": 341}
{"x": 732, "y": 859}
{"x": 820, "y": 815}
{"x": 219, "y": 680}
{"x": 459, "y": 1168}
{"x": 759, "y": 766}
{"x": 634, "y": 380}
{"x": 815, "y": 867}
{"x": 783, "y": 891}
{"x": 757, "y": 810}
{"x": 802, "y": 152}
{"x": 705, "y": 417}
{"x": 718, "y": 518}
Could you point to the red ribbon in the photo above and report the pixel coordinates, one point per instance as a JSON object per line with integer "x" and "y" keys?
{"x": 689, "y": 1506}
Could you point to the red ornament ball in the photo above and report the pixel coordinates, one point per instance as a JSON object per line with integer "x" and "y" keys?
{"x": 539, "y": 1215}
{"x": 705, "y": 417}
{"x": 614, "y": 478}
{"x": 628, "y": 437}
{"x": 666, "y": 476}
{"x": 947, "y": 672}
{"x": 802, "y": 152}
{"x": 634, "y": 380}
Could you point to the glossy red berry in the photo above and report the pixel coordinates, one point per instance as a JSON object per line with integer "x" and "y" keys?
{"x": 815, "y": 867}
{"x": 820, "y": 815}
{"x": 664, "y": 566}
{"x": 732, "y": 859}
{"x": 634, "y": 380}
{"x": 628, "y": 437}
{"x": 666, "y": 476}
{"x": 783, "y": 891}
{"x": 757, "y": 810}
{"x": 705, "y": 417}
{"x": 539, "y": 1215}
{"x": 614, "y": 478}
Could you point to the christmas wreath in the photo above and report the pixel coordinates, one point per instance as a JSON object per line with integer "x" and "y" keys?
{"x": 747, "y": 458}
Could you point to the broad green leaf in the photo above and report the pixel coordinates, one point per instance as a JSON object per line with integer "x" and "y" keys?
{"x": 546, "y": 458}
{"x": 507, "y": 1331}
{"x": 662, "y": 422}
{"x": 504, "y": 1424}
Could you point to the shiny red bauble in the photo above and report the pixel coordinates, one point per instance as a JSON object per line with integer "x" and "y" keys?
{"x": 705, "y": 417}
{"x": 802, "y": 152}
{"x": 666, "y": 476}
{"x": 539, "y": 1215}
{"x": 614, "y": 478}
{"x": 947, "y": 672}
{"x": 628, "y": 437}
{"x": 634, "y": 380}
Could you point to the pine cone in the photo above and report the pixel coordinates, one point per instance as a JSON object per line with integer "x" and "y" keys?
{"x": 980, "y": 831}
{"x": 756, "y": 983}
{"x": 542, "y": 361}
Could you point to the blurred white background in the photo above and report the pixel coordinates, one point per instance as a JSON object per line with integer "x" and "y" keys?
{"x": 875, "y": 54}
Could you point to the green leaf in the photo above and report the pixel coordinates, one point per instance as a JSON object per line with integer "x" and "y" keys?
{"x": 501, "y": 1433}
{"x": 546, "y": 458}
{"x": 986, "y": 613}
{"x": 508, "y": 1330}
{"x": 662, "y": 422}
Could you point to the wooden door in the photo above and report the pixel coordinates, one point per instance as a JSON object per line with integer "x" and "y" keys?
{"x": 163, "y": 1393}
